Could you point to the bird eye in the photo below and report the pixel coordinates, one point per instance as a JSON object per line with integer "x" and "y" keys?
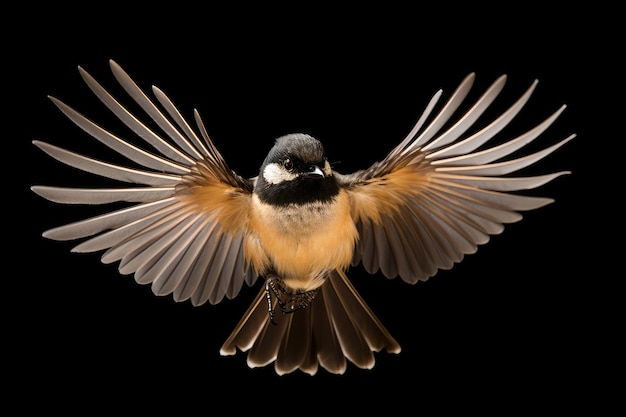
{"x": 288, "y": 164}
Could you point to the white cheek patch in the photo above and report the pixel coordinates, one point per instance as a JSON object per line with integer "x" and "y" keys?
{"x": 275, "y": 174}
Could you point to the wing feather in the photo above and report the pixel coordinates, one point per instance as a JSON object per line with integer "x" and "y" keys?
{"x": 445, "y": 114}
{"x": 115, "y": 219}
{"x": 119, "y": 145}
{"x": 210, "y": 285}
{"x": 500, "y": 151}
{"x": 104, "y": 169}
{"x": 171, "y": 250}
{"x": 439, "y": 194}
{"x": 474, "y": 141}
{"x": 148, "y": 246}
{"x": 227, "y": 268}
{"x": 184, "y": 153}
{"x": 174, "y": 267}
{"x": 442, "y": 240}
{"x": 129, "y": 227}
{"x": 102, "y": 195}
{"x": 199, "y": 275}
{"x": 486, "y": 220}
{"x": 502, "y": 184}
{"x": 180, "y": 120}
{"x": 369, "y": 257}
{"x": 502, "y": 168}
{"x": 186, "y": 231}
{"x": 469, "y": 118}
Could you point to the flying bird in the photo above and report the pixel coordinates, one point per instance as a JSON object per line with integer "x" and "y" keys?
{"x": 196, "y": 230}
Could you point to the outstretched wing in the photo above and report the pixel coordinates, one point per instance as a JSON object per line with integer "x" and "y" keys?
{"x": 186, "y": 233}
{"x": 441, "y": 193}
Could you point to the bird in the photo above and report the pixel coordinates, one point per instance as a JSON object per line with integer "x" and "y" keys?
{"x": 195, "y": 230}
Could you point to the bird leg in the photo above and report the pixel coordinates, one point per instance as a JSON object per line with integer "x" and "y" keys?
{"x": 288, "y": 302}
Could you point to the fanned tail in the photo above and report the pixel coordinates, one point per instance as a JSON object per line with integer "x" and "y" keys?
{"x": 336, "y": 326}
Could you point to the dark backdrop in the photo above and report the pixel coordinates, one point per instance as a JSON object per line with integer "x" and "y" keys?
{"x": 522, "y": 321}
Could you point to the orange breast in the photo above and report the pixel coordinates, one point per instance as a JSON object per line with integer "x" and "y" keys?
{"x": 301, "y": 243}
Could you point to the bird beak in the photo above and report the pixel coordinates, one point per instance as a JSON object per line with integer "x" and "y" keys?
{"x": 314, "y": 171}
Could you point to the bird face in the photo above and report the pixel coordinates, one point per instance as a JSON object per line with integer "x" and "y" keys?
{"x": 296, "y": 171}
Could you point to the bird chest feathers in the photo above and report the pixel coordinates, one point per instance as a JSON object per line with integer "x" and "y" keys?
{"x": 301, "y": 242}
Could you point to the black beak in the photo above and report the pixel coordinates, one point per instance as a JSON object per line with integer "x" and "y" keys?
{"x": 314, "y": 172}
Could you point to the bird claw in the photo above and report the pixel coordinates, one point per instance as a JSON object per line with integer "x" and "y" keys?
{"x": 287, "y": 301}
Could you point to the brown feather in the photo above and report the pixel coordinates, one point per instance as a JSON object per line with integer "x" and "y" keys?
{"x": 337, "y": 325}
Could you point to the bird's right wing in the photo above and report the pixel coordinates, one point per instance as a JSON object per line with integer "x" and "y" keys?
{"x": 186, "y": 233}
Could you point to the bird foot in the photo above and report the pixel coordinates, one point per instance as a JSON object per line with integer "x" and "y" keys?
{"x": 288, "y": 302}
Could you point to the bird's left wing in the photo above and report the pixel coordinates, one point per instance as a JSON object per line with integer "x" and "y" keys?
{"x": 440, "y": 193}
{"x": 185, "y": 236}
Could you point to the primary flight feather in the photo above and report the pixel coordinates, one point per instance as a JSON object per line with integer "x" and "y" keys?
{"x": 199, "y": 231}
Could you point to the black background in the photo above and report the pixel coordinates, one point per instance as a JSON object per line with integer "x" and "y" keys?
{"x": 524, "y": 321}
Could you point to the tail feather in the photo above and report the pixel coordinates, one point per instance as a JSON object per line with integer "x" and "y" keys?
{"x": 336, "y": 326}
{"x": 295, "y": 347}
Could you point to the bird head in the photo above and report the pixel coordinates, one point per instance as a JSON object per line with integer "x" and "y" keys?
{"x": 296, "y": 171}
